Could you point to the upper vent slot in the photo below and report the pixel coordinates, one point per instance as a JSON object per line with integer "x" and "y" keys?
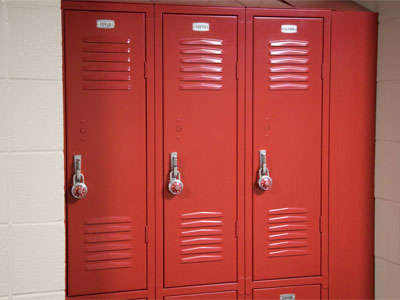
{"x": 201, "y": 50}
{"x": 289, "y": 51}
{"x": 104, "y": 57}
{"x": 287, "y": 57}
{"x": 202, "y": 60}
{"x": 288, "y": 43}
{"x": 107, "y": 40}
{"x": 202, "y": 41}
{"x": 107, "y": 48}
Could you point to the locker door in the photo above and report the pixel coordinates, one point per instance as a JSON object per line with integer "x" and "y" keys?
{"x": 206, "y": 296}
{"x": 306, "y": 292}
{"x": 287, "y": 124}
{"x": 200, "y": 125}
{"x": 106, "y": 124}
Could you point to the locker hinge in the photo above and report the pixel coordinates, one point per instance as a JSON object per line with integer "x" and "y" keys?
{"x": 237, "y": 71}
{"x": 236, "y": 229}
{"x": 145, "y": 69}
{"x": 320, "y": 224}
{"x": 146, "y": 234}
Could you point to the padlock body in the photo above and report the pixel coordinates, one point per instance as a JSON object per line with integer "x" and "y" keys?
{"x": 175, "y": 186}
{"x": 79, "y": 190}
{"x": 265, "y": 182}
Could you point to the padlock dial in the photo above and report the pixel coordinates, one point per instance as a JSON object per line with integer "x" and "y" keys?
{"x": 175, "y": 187}
{"x": 265, "y": 182}
{"x": 79, "y": 190}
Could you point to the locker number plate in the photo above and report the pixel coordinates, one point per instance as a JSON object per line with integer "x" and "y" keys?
{"x": 201, "y": 26}
{"x": 288, "y": 297}
{"x": 105, "y": 24}
{"x": 289, "y": 28}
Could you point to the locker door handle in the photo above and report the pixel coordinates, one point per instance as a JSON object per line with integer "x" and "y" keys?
{"x": 264, "y": 181}
{"x": 175, "y": 185}
{"x": 79, "y": 189}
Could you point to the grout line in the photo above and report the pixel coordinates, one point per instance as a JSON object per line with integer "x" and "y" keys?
{"x": 387, "y": 200}
{"x": 35, "y": 79}
{"x": 386, "y": 140}
{"x": 35, "y": 151}
{"x": 388, "y": 81}
{"x": 384, "y": 21}
{"x": 40, "y": 293}
{"x": 32, "y": 3}
{"x": 34, "y": 223}
{"x": 387, "y": 260}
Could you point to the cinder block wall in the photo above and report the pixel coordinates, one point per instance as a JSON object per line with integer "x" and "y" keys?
{"x": 387, "y": 165}
{"x": 31, "y": 158}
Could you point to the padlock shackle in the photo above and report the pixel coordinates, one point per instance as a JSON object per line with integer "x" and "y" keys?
{"x": 263, "y": 161}
{"x": 78, "y": 166}
{"x": 174, "y": 164}
{"x": 263, "y": 172}
{"x": 174, "y": 175}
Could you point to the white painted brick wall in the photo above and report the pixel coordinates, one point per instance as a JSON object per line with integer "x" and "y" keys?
{"x": 32, "y": 233}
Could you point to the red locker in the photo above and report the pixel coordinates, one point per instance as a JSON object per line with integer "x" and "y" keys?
{"x": 287, "y": 120}
{"x": 106, "y": 126}
{"x": 210, "y": 150}
{"x": 200, "y": 111}
{"x": 199, "y": 120}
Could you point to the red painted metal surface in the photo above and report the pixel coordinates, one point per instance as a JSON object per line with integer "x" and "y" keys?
{"x": 351, "y": 192}
{"x": 205, "y": 296}
{"x": 106, "y": 124}
{"x": 211, "y": 243}
{"x": 300, "y": 292}
{"x": 287, "y": 117}
{"x": 213, "y": 127}
{"x": 200, "y": 101}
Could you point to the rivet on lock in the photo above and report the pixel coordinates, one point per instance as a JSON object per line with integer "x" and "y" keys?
{"x": 79, "y": 189}
{"x": 175, "y": 185}
{"x": 264, "y": 180}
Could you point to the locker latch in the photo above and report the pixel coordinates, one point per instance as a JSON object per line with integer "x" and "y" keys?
{"x": 175, "y": 185}
{"x": 79, "y": 189}
{"x": 264, "y": 181}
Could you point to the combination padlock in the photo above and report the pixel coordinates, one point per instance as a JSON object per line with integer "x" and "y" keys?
{"x": 175, "y": 185}
{"x": 264, "y": 181}
{"x": 79, "y": 189}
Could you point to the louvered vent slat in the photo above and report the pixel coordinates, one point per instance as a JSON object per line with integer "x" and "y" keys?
{"x": 108, "y": 243}
{"x": 202, "y": 237}
{"x": 287, "y": 232}
{"x": 104, "y": 58}
{"x": 201, "y": 56}
{"x": 285, "y": 58}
